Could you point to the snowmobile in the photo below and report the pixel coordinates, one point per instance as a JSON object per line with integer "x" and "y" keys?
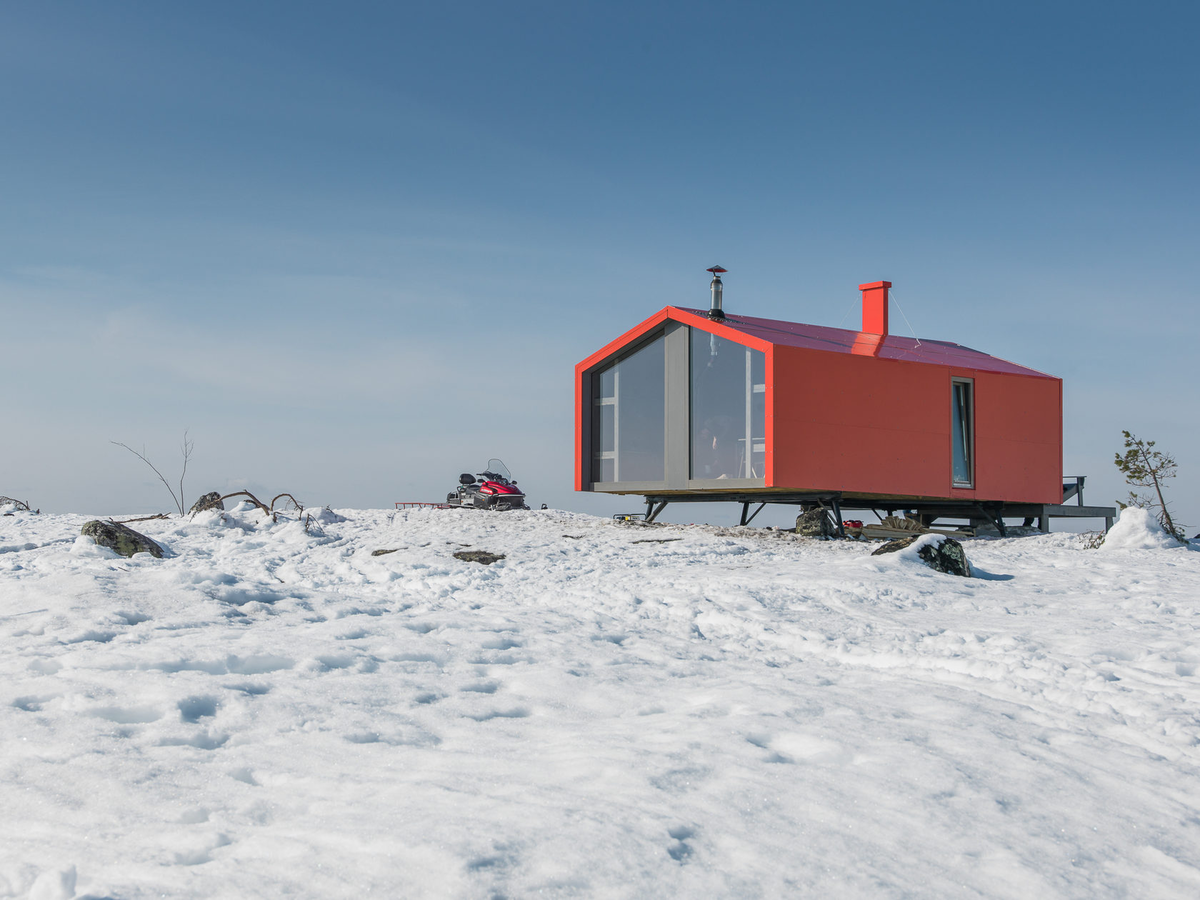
{"x": 496, "y": 491}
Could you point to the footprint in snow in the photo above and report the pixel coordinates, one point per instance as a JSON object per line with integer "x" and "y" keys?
{"x": 133, "y": 715}
{"x": 680, "y": 850}
{"x": 31, "y": 704}
{"x": 481, "y": 687}
{"x": 250, "y": 689}
{"x": 193, "y": 709}
{"x": 100, "y": 637}
{"x": 200, "y": 855}
{"x": 201, "y": 741}
{"x": 518, "y": 712}
{"x": 250, "y": 665}
{"x": 333, "y": 662}
{"x": 500, "y": 644}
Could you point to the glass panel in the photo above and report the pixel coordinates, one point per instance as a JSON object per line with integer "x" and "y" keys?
{"x": 758, "y": 415}
{"x": 605, "y": 469}
{"x": 960, "y": 431}
{"x": 728, "y": 409}
{"x": 641, "y": 414}
{"x": 758, "y": 431}
{"x": 607, "y": 432}
{"x": 604, "y": 425}
{"x": 629, "y": 417}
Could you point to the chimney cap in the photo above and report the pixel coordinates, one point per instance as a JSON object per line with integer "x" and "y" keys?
{"x": 875, "y": 284}
{"x": 717, "y": 270}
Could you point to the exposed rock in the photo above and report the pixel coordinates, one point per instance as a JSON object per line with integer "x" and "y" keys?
{"x": 211, "y": 500}
{"x": 942, "y": 555}
{"x": 815, "y": 523}
{"x": 479, "y": 556}
{"x": 383, "y": 552}
{"x": 898, "y": 544}
{"x": 120, "y": 538}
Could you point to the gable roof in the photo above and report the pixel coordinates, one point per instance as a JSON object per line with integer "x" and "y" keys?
{"x": 842, "y": 340}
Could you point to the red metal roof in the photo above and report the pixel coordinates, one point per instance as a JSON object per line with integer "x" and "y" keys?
{"x": 841, "y": 340}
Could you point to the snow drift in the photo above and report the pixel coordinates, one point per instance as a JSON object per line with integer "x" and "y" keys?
{"x": 608, "y": 711}
{"x": 1138, "y": 529}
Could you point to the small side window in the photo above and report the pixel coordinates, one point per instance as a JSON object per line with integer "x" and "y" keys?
{"x": 962, "y": 431}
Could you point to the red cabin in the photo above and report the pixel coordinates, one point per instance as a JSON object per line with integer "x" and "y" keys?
{"x": 696, "y": 404}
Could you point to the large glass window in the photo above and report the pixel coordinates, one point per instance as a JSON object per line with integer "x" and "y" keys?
{"x": 728, "y": 408}
{"x": 629, "y": 417}
{"x": 962, "y": 413}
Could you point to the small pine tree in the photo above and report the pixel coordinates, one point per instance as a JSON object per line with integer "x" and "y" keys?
{"x": 1145, "y": 467}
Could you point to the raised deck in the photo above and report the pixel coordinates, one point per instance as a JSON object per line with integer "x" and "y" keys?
{"x": 925, "y": 508}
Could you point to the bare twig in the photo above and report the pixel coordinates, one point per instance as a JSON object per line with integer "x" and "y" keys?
{"x": 186, "y": 448}
{"x": 142, "y": 519}
{"x": 258, "y": 503}
{"x": 142, "y": 456}
{"x": 20, "y": 505}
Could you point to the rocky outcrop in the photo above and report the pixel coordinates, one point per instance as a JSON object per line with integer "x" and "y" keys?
{"x": 211, "y": 500}
{"x": 815, "y": 523}
{"x": 943, "y": 554}
{"x": 479, "y": 556}
{"x": 120, "y": 539}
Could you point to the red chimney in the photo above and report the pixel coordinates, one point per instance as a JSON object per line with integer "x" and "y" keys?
{"x": 875, "y": 307}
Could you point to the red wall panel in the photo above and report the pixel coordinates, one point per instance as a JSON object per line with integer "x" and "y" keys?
{"x": 1018, "y": 437}
{"x": 860, "y": 424}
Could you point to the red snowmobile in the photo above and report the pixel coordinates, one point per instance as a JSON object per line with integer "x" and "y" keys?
{"x": 496, "y": 490}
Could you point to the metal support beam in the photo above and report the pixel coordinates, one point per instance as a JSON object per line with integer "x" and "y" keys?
{"x": 837, "y": 516}
{"x": 652, "y": 511}
{"x": 996, "y": 516}
{"x": 746, "y": 509}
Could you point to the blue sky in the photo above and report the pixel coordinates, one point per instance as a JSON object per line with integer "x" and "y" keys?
{"x": 357, "y": 248}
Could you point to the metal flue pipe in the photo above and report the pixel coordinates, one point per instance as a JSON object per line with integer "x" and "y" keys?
{"x": 715, "y": 312}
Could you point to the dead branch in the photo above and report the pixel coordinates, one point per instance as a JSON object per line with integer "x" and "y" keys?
{"x": 142, "y": 519}
{"x": 258, "y": 503}
{"x": 295, "y": 503}
{"x": 269, "y": 510}
{"x": 19, "y": 505}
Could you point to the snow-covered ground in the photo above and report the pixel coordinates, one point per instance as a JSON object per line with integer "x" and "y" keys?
{"x": 609, "y": 711}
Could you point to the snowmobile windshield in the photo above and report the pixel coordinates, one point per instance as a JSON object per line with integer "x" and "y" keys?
{"x": 496, "y": 467}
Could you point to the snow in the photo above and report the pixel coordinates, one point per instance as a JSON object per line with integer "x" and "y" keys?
{"x": 610, "y": 711}
{"x": 1138, "y": 529}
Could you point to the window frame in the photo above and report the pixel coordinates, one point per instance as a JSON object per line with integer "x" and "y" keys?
{"x": 677, "y": 419}
{"x": 751, "y": 444}
{"x": 597, "y": 456}
{"x": 967, "y": 386}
